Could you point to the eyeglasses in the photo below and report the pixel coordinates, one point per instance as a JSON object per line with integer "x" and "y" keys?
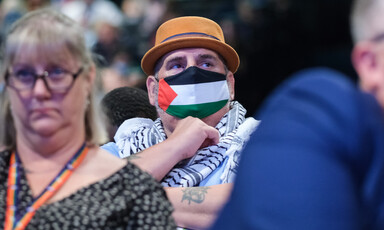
{"x": 378, "y": 38}
{"x": 56, "y": 80}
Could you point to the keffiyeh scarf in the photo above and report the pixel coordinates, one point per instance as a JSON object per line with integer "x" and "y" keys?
{"x": 137, "y": 134}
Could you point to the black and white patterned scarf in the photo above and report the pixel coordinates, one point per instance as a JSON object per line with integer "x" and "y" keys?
{"x": 137, "y": 134}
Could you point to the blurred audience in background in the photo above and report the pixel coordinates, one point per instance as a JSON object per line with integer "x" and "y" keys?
{"x": 274, "y": 38}
{"x": 90, "y": 13}
{"x": 11, "y": 10}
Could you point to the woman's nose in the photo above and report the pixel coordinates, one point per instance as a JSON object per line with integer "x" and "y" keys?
{"x": 41, "y": 89}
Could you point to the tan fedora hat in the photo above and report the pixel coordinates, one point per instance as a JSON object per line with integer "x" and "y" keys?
{"x": 189, "y": 32}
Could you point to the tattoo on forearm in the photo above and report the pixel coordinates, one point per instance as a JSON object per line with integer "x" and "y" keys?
{"x": 194, "y": 194}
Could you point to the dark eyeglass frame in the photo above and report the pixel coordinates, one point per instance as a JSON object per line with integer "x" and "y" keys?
{"x": 378, "y": 38}
{"x": 43, "y": 77}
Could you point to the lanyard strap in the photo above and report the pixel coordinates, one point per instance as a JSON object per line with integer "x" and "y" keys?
{"x": 21, "y": 221}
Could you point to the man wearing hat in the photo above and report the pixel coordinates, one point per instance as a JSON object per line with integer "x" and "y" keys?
{"x": 201, "y": 129}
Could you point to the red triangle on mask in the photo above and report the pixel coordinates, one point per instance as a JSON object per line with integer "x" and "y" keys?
{"x": 166, "y": 94}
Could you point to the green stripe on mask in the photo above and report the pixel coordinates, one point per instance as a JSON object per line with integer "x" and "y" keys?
{"x": 197, "y": 110}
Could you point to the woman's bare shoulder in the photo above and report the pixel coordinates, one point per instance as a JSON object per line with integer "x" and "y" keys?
{"x": 101, "y": 163}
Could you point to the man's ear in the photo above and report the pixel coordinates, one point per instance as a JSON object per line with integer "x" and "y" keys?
{"x": 231, "y": 85}
{"x": 365, "y": 60}
{"x": 151, "y": 88}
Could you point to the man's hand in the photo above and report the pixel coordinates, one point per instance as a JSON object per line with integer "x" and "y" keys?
{"x": 189, "y": 135}
{"x": 192, "y": 134}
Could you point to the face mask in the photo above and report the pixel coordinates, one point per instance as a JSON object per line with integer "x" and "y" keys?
{"x": 194, "y": 92}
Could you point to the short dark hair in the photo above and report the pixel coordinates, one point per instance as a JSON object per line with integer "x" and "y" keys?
{"x": 124, "y": 103}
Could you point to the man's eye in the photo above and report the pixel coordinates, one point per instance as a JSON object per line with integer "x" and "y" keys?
{"x": 176, "y": 66}
{"x": 207, "y": 64}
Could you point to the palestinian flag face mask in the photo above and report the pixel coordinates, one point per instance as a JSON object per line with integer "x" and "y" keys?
{"x": 194, "y": 92}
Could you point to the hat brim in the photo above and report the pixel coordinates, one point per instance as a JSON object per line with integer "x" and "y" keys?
{"x": 153, "y": 55}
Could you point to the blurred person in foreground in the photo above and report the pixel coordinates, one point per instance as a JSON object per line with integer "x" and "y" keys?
{"x": 53, "y": 175}
{"x": 317, "y": 160}
{"x": 191, "y": 83}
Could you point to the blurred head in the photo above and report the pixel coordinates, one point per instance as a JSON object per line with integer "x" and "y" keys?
{"x": 368, "y": 53}
{"x": 365, "y": 19}
{"x": 189, "y": 55}
{"x": 124, "y": 103}
{"x": 49, "y": 45}
{"x": 36, "y": 4}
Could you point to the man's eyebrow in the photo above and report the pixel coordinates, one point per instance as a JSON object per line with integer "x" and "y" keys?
{"x": 207, "y": 56}
{"x": 174, "y": 59}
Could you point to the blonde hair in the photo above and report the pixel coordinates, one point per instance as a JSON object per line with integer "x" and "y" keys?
{"x": 47, "y": 32}
{"x": 366, "y": 19}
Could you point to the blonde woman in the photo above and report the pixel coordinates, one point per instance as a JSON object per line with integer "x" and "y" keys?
{"x": 53, "y": 175}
